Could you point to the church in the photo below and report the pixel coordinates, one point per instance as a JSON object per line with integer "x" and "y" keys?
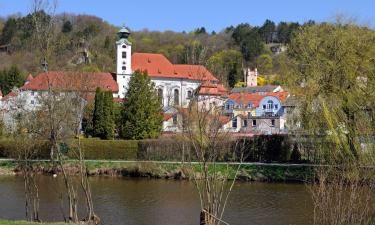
{"x": 176, "y": 84}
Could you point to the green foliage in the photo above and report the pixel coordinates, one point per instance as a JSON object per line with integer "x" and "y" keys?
{"x": 9, "y": 30}
{"x": 285, "y": 31}
{"x": 107, "y": 149}
{"x": 226, "y": 65}
{"x": 87, "y": 119}
{"x": 240, "y": 84}
{"x": 10, "y": 78}
{"x": 103, "y": 119}
{"x": 249, "y": 41}
{"x": 9, "y": 148}
{"x": 67, "y": 27}
{"x": 267, "y": 31}
{"x": 264, "y": 64}
{"x": 330, "y": 67}
{"x": 141, "y": 112}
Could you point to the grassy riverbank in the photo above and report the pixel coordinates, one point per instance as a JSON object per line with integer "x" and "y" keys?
{"x": 172, "y": 170}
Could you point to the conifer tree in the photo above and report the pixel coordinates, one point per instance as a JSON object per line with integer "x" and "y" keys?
{"x": 141, "y": 112}
{"x": 10, "y": 78}
{"x": 97, "y": 119}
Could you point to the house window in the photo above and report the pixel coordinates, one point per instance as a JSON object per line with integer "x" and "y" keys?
{"x": 174, "y": 119}
{"x": 123, "y": 76}
{"x": 124, "y": 68}
{"x": 245, "y": 122}
{"x": 32, "y": 102}
{"x": 160, "y": 95}
{"x": 176, "y": 97}
{"x": 32, "y": 93}
{"x": 264, "y": 106}
{"x": 254, "y": 123}
{"x": 276, "y": 106}
{"x": 124, "y": 55}
{"x": 231, "y": 106}
{"x": 250, "y": 105}
{"x": 234, "y": 122}
{"x": 189, "y": 94}
{"x": 272, "y": 123}
{"x": 270, "y": 104}
{"x": 124, "y": 46}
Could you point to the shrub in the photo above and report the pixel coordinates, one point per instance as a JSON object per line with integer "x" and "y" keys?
{"x": 105, "y": 149}
{"x": 10, "y": 148}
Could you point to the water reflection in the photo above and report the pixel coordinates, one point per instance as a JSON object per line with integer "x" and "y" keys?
{"x": 164, "y": 202}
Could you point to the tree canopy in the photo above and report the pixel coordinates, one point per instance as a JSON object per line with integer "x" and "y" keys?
{"x": 141, "y": 112}
{"x": 330, "y": 68}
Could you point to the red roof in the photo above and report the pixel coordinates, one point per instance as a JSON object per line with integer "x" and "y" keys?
{"x": 282, "y": 95}
{"x": 245, "y": 98}
{"x": 157, "y": 65}
{"x": 255, "y": 98}
{"x": 29, "y": 77}
{"x": 9, "y": 95}
{"x": 72, "y": 81}
{"x": 208, "y": 88}
{"x": 167, "y": 116}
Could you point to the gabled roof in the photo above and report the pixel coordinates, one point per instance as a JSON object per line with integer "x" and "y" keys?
{"x": 157, "y": 65}
{"x": 208, "y": 88}
{"x": 256, "y": 89}
{"x": 70, "y": 81}
{"x": 167, "y": 116}
{"x": 29, "y": 78}
{"x": 245, "y": 98}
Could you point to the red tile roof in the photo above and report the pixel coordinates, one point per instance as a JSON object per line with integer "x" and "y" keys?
{"x": 157, "y": 65}
{"x": 9, "y": 95}
{"x": 72, "y": 81}
{"x": 255, "y": 98}
{"x": 245, "y": 98}
{"x": 212, "y": 89}
{"x": 282, "y": 95}
{"x": 29, "y": 77}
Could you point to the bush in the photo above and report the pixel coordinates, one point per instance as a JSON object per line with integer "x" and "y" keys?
{"x": 10, "y": 148}
{"x": 163, "y": 149}
{"x": 105, "y": 149}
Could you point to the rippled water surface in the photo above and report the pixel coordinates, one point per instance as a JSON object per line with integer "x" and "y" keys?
{"x": 164, "y": 202}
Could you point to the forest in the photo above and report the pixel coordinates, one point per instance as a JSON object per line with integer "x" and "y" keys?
{"x": 86, "y": 43}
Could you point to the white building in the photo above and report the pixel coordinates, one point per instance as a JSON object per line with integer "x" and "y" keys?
{"x": 175, "y": 84}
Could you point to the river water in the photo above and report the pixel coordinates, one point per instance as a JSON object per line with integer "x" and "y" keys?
{"x": 164, "y": 202}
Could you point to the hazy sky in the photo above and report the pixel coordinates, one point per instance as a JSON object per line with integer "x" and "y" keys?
{"x": 186, "y": 15}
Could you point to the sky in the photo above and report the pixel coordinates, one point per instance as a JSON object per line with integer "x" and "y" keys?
{"x": 186, "y": 15}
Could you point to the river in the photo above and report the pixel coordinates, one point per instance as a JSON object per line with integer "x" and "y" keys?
{"x": 164, "y": 202}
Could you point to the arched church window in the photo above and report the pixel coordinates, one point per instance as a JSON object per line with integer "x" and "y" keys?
{"x": 160, "y": 95}
{"x": 176, "y": 97}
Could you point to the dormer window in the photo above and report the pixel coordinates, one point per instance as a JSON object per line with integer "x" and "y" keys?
{"x": 270, "y": 104}
{"x": 250, "y": 105}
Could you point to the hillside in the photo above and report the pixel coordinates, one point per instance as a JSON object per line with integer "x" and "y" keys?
{"x": 86, "y": 43}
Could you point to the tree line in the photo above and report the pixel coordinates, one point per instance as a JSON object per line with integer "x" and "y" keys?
{"x": 86, "y": 43}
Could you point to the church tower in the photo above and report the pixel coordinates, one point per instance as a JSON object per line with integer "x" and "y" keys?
{"x": 124, "y": 70}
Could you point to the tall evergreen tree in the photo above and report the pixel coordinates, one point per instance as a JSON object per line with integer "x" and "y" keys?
{"x": 108, "y": 117}
{"x": 103, "y": 120}
{"x": 141, "y": 113}
{"x": 97, "y": 120}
